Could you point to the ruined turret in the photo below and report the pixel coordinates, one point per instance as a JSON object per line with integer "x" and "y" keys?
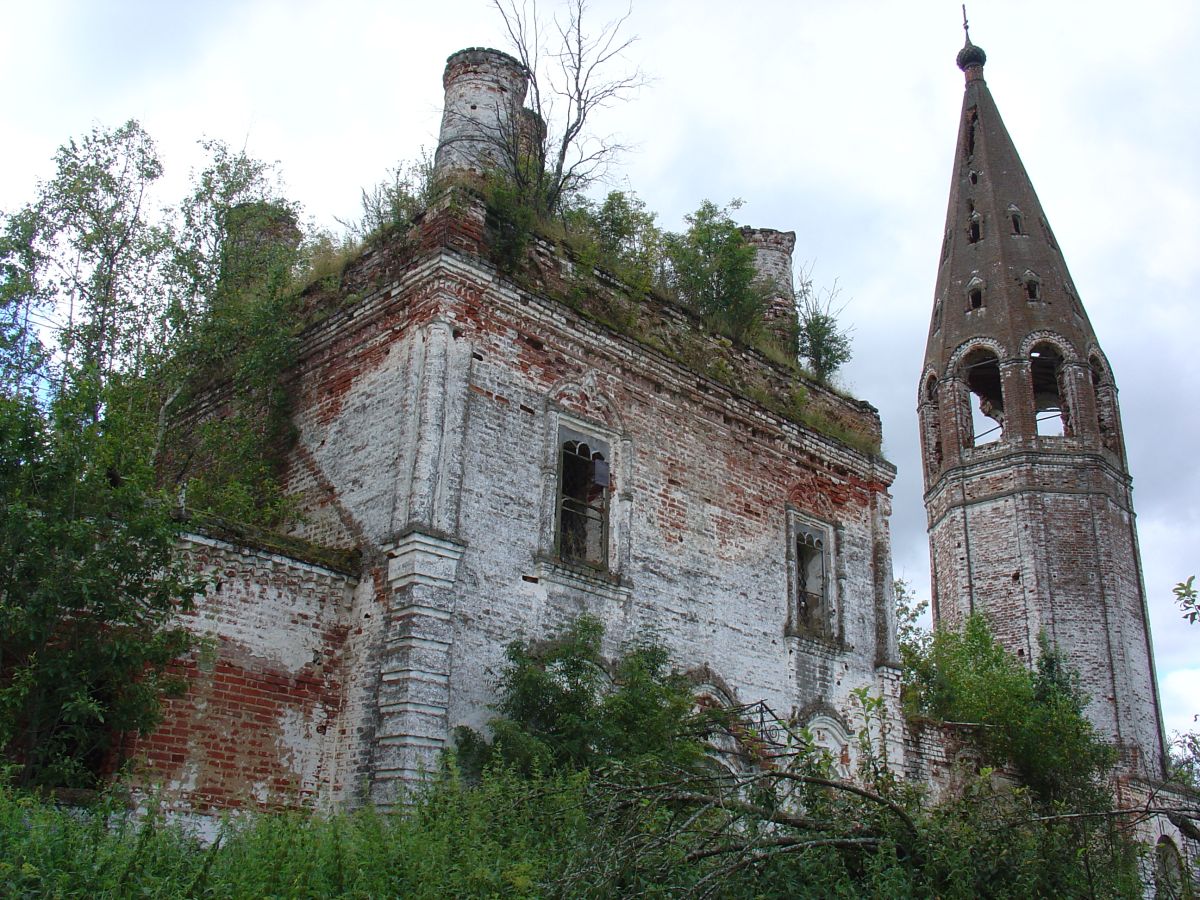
{"x": 483, "y": 121}
{"x": 773, "y": 260}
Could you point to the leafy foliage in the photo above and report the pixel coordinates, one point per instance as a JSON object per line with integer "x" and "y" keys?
{"x": 966, "y": 677}
{"x": 712, "y": 269}
{"x": 395, "y": 202}
{"x": 1188, "y": 599}
{"x": 821, "y": 339}
{"x": 89, "y": 591}
{"x": 594, "y": 799}
{"x": 618, "y": 235}
{"x": 912, "y": 637}
{"x": 559, "y": 711}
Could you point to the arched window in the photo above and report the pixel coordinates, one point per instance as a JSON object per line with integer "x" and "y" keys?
{"x": 1170, "y": 878}
{"x": 810, "y": 583}
{"x": 1049, "y": 401}
{"x": 583, "y": 480}
{"x": 811, "y": 611}
{"x": 981, "y": 371}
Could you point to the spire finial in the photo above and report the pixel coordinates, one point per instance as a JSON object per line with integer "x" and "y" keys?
{"x": 969, "y": 55}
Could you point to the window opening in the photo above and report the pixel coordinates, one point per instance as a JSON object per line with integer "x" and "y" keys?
{"x": 975, "y": 295}
{"x": 974, "y": 176}
{"x": 975, "y": 228}
{"x": 1046, "y": 370}
{"x": 583, "y": 504}
{"x": 1017, "y": 227}
{"x": 811, "y": 584}
{"x": 1033, "y": 286}
{"x": 981, "y": 369}
{"x": 972, "y": 118}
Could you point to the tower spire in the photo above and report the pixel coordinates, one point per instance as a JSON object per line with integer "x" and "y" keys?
{"x": 1027, "y": 490}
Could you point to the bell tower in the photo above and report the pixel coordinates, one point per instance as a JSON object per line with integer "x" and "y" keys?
{"x": 1027, "y": 489}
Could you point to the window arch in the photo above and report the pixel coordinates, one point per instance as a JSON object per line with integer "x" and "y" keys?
{"x": 980, "y": 369}
{"x": 1049, "y": 400}
{"x": 1170, "y": 877}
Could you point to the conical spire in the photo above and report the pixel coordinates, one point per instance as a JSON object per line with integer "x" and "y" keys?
{"x": 1001, "y": 273}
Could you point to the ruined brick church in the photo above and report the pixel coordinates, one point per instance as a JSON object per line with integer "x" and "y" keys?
{"x": 485, "y": 454}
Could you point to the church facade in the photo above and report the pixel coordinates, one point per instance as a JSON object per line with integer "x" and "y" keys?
{"x": 487, "y": 450}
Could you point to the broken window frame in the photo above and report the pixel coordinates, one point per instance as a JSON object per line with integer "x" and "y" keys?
{"x": 583, "y": 489}
{"x": 811, "y": 606}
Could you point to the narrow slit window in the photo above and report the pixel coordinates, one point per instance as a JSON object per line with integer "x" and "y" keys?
{"x": 1017, "y": 226}
{"x": 972, "y": 118}
{"x": 1033, "y": 287}
{"x": 975, "y": 297}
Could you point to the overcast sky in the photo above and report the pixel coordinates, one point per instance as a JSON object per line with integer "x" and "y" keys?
{"x": 833, "y": 119}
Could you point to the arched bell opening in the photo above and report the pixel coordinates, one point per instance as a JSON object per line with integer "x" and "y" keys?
{"x": 981, "y": 372}
{"x": 1049, "y": 398}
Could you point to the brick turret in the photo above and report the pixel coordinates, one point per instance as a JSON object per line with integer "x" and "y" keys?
{"x": 773, "y": 260}
{"x": 1027, "y": 489}
{"x": 483, "y": 116}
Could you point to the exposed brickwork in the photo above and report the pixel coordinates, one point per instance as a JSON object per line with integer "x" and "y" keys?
{"x": 265, "y": 691}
